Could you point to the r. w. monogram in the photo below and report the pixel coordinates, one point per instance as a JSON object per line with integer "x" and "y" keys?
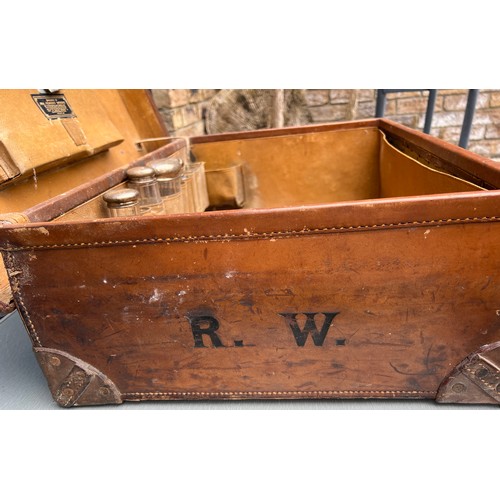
{"x": 205, "y": 329}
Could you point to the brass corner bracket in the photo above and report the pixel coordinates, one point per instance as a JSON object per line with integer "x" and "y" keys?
{"x": 476, "y": 380}
{"x": 73, "y": 382}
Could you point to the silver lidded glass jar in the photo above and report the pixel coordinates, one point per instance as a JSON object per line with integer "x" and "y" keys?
{"x": 144, "y": 181}
{"x": 170, "y": 167}
{"x": 168, "y": 174}
{"x": 122, "y": 203}
{"x": 188, "y": 191}
{"x": 200, "y": 185}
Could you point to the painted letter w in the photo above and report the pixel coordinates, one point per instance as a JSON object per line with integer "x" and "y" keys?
{"x": 309, "y": 327}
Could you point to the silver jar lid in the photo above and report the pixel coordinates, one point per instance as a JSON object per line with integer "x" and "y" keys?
{"x": 138, "y": 173}
{"x": 121, "y": 197}
{"x": 166, "y": 167}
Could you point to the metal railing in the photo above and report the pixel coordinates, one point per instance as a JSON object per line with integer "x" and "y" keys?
{"x": 431, "y": 102}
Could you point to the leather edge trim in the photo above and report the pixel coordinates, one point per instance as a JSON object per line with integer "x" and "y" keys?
{"x": 264, "y": 235}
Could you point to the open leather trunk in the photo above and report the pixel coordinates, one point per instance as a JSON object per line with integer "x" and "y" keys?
{"x": 347, "y": 260}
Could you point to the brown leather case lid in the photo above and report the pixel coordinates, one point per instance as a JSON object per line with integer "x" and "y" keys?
{"x": 39, "y": 158}
{"x": 39, "y": 131}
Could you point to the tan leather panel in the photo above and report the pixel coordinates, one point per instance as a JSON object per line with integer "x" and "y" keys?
{"x": 36, "y": 142}
{"x": 443, "y": 156}
{"x": 8, "y": 168}
{"x": 226, "y": 187}
{"x": 75, "y": 131}
{"x": 147, "y": 120}
{"x": 324, "y": 167}
{"x": 301, "y": 169}
{"x": 401, "y": 175}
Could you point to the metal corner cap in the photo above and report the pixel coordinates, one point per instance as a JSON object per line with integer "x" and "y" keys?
{"x": 74, "y": 382}
{"x": 475, "y": 380}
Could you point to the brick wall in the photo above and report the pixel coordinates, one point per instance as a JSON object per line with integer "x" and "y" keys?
{"x": 183, "y": 111}
{"x": 409, "y": 109}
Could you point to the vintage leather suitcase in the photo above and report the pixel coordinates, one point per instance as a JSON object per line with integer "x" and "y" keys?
{"x": 363, "y": 264}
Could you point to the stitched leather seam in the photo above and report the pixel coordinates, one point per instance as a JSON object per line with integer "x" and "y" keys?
{"x": 266, "y": 393}
{"x": 249, "y": 236}
{"x": 24, "y": 310}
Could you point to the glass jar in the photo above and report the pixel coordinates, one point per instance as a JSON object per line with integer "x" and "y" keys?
{"x": 188, "y": 191}
{"x": 144, "y": 181}
{"x": 170, "y": 167}
{"x": 122, "y": 203}
{"x": 168, "y": 175}
{"x": 200, "y": 185}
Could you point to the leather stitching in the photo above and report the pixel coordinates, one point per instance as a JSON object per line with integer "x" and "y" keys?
{"x": 266, "y": 393}
{"x": 263, "y": 235}
{"x": 244, "y": 236}
{"x": 22, "y": 306}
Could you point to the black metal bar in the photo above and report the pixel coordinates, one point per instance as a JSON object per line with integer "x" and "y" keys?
{"x": 379, "y": 111}
{"x": 431, "y": 103}
{"x": 468, "y": 116}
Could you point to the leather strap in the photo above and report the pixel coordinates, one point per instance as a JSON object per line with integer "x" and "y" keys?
{"x": 75, "y": 131}
{"x": 13, "y": 218}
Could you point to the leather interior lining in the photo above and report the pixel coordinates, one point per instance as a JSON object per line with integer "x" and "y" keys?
{"x": 401, "y": 175}
{"x": 326, "y": 167}
{"x": 301, "y": 169}
{"x": 305, "y": 169}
